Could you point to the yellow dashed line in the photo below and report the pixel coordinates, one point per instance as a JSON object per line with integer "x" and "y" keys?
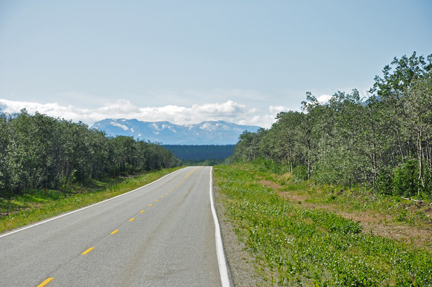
{"x": 114, "y": 232}
{"x": 166, "y": 193}
{"x": 87, "y": 251}
{"x": 132, "y": 219}
{"x": 150, "y": 204}
{"x": 161, "y": 196}
{"x": 157, "y": 200}
{"x": 142, "y": 211}
{"x": 45, "y": 282}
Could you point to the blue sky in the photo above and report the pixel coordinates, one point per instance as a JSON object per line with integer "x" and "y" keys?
{"x": 190, "y": 61}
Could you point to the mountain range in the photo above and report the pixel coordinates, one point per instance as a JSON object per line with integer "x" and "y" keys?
{"x": 204, "y": 133}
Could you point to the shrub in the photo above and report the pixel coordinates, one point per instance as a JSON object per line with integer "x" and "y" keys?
{"x": 300, "y": 172}
{"x": 405, "y": 179}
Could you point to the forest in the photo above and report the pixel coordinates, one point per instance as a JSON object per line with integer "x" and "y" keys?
{"x": 38, "y": 151}
{"x": 382, "y": 140}
{"x": 201, "y": 152}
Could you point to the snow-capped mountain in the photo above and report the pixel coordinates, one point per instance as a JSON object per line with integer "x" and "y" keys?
{"x": 209, "y": 132}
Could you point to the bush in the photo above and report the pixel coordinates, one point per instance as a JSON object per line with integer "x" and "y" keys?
{"x": 300, "y": 172}
{"x": 384, "y": 183}
{"x": 405, "y": 179}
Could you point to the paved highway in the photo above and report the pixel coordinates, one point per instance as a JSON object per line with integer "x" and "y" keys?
{"x": 162, "y": 234}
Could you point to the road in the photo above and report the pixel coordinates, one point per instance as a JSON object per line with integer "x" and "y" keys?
{"x": 162, "y": 234}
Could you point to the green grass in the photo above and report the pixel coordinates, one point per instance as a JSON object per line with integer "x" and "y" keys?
{"x": 34, "y": 206}
{"x": 300, "y": 246}
{"x": 354, "y": 199}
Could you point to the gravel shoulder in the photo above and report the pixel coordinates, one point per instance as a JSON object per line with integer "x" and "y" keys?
{"x": 241, "y": 263}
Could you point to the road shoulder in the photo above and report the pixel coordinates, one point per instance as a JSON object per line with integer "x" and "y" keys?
{"x": 240, "y": 262}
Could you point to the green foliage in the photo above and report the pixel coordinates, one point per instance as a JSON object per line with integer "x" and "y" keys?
{"x": 384, "y": 182}
{"x": 207, "y": 162}
{"x": 383, "y": 141}
{"x": 405, "y": 179}
{"x": 269, "y": 165}
{"x": 300, "y": 172}
{"x": 299, "y": 246}
{"x": 37, "y": 152}
{"x": 201, "y": 152}
{"x": 34, "y": 206}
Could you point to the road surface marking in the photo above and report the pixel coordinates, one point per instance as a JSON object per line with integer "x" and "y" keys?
{"x": 191, "y": 172}
{"x": 166, "y": 193}
{"x": 150, "y": 204}
{"x": 132, "y": 219}
{"x": 45, "y": 282}
{"x": 161, "y": 196}
{"x": 219, "y": 245}
{"x": 114, "y": 232}
{"x": 83, "y": 208}
{"x": 87, "y": 251}
{"x": 157, "y": 200}
{"x": 142, "y": 211}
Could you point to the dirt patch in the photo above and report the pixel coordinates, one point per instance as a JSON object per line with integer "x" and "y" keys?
{"x": 293, "y": 197}
{"x": 270, "y": 184}
{"x": 377, "y": 224}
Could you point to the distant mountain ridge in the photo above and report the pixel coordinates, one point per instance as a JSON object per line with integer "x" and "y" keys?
{"x": 208, "y": 132}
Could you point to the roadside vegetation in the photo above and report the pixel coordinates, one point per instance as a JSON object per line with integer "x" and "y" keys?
{"x": 296, "y": 240}
{"x": 38, "y": 152}
{"x": 50, "y": 165}
{"x": 382, "y": 140}
{"x": 340, "y": 193}
{"x": 201, "y": 152}
{"x": 33, "y": 206}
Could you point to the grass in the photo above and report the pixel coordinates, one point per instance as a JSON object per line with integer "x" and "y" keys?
{"x": 361, "y": 199}
{"x": 295, "y": 245}
{"x": 354, "y": 199}
{"x": 31, "y": 207}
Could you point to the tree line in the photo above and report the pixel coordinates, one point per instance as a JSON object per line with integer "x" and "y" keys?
{"x": 383, "y": 140}
{"x": 38, "y": 151}
{"x": 201, "y": 152}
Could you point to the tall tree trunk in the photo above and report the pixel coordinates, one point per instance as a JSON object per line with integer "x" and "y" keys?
{"x": 420, "y": 159}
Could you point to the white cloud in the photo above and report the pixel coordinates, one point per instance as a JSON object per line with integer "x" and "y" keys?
{"x": 277, "y": 109}
{"x": 228, "y": 111}
{"x": 323, "y": 99}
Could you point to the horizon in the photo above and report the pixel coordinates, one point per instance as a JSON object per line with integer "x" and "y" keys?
{"x": 186, "y": 63}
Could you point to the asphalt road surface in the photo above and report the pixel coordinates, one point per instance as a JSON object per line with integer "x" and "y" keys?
{"x": 162, "y": 234}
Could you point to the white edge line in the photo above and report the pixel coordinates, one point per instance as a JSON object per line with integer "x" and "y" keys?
{"x": 219, "y": 245}
{"x": 74, "y": 211}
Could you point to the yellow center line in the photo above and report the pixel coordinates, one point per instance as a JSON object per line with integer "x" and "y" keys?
{"x": 142, "y": 211}
{"x": 87, "y": 251}
{"x": 191, "y": 172}
{"x": 132, "y": 219}
{"x": 157, "y": 200}
{"x": 45, "y": 282}
{"x": 114, "y": 232}
{"x": 162, "y": 196}
{"x": 166, "y": 193}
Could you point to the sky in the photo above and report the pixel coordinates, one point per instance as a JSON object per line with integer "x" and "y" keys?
{"x": 195, "y": 60}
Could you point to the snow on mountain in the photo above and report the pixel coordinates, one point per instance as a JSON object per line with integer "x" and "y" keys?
{"x": 209, "y": 132}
